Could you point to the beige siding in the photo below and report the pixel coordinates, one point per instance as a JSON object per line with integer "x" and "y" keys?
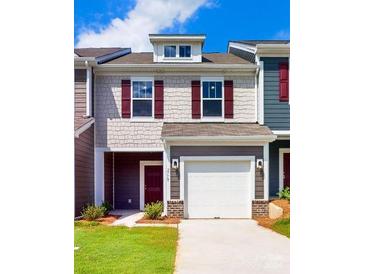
{"x": 113, "y": 131}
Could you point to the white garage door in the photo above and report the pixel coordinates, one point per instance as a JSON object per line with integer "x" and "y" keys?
{"x": 218, "y": 189}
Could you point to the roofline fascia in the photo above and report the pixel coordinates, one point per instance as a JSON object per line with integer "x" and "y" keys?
{"x": 84, "y": 127}
{"x": 253, "y": 138}
{"x": 196, "y": 38}
{"x": 84, "y": 61}
{"x": 182, "y": 66}
{"x": 242, "y": 46}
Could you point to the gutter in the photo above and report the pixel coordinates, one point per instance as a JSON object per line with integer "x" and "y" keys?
{"x": 175, "y": 65}
{"x": 111, "y": 56}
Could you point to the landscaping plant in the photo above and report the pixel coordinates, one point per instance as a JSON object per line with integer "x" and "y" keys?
{"x": 107, "y": 206}
{"x": 285, "y": 194}
{"x": 153, "y": 210}
{"x": 92, "y": 212}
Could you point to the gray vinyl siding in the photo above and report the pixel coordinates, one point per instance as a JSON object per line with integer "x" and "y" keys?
{"x": 276, "y": 113}
{"x": 177, "y": 151}
{"x": 274, "y": 164}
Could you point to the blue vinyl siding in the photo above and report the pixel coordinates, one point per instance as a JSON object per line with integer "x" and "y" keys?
{"x": 274, "y": 164}
{"x": 276, "y": 113}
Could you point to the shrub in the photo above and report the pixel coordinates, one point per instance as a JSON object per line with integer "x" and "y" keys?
{"x": 91, "y": 212}
{"x": 285, "y": 194}
{"x": 107, "y": 206}
{"x": 153, "y": 210}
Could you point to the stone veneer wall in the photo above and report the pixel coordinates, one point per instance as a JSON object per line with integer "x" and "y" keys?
{"x": 260, "y": 208}
{"x": 113, "y": 131}
{"x": 175, "y": 208}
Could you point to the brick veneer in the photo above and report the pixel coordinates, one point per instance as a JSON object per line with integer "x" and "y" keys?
{"x": 260, "y": 208}
{"x": 175, "y": 208}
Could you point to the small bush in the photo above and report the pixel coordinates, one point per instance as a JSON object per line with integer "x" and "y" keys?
{"x": 107, "y": 206}
{"x": 285, "y": 194}
{"x": 153, "y": 210}
{"x": 91, "y": 212}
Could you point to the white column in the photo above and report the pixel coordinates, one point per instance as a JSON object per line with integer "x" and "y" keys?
{"x": 166, "y": 176}
{"x": 266, "y": 171}
{"x": 99, "y": 176}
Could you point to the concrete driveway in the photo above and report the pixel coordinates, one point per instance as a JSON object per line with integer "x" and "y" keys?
{"x": 230, "y": 246}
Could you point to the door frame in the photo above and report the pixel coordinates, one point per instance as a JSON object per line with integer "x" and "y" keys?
{"x": 281, "y": 166}
{"x": 142, "y": 165}
{"x": 184, "y": 159}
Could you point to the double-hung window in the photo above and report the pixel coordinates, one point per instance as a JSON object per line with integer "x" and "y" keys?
{"x": 212, "y": 99}
{"x": 170, "y": 51}
{"x": 142, "y": 99}
{"x": 185, "y": 51}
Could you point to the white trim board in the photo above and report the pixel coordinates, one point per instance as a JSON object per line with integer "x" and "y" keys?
{"x": 184, "y": 159}
{"x": 142, "y": 165}
{"x": 130, "y": 149}
{"x": 281, "y": 166}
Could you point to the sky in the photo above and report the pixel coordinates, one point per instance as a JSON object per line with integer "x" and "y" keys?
{"x": 127, "y": 23}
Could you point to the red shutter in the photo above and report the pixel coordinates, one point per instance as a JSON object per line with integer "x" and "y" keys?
{"x": 195, "y": 99}
{"x": 284, "y": 82}
{"x": 228, "y": 99}
{"x": 126, "y": 98}
{"x": 159, "y": 99}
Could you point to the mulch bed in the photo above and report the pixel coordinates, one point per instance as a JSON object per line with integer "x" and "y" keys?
{"x": 106, "y": 220}
{"x": 267, "y": 222}
{"x": 164, "y": 220}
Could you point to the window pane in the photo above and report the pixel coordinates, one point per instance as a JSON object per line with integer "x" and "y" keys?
{"x": 142, "y": 108}
{"x": 212, "y": 90}
{"x": 170, "y": 51}
{"x": 142, "y": 89}
{"x": 212, "y": 108}
{"x": 205, "y": 89}
{"x": 185, "y": 51}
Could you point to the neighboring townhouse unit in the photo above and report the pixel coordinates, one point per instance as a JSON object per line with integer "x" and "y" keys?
{"x": 273, "y": 100}
{"x": 84, "y": 60}
{"x": 183, "y": 127}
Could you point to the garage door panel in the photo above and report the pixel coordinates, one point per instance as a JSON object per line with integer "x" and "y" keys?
{"x": 218, "y": 189}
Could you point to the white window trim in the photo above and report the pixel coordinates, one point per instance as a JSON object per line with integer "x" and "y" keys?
{"x": 184, "y": 159}
{"x": 177, "y": 57}
{"x": 281, "y": 166}
{"x": 142, "y": 165}
{"x": 139, "y": 118}
{"x": 212, "y": 118}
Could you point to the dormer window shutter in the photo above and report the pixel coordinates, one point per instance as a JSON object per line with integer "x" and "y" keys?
{"x": 195, "y": 99}
{"x": 284, "y": 82}
{"x": 126, "y": 98}
{"x": 228, "y": 99}
{"x": 159, "y": 99}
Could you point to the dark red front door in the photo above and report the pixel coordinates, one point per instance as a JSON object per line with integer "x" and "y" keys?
{"x": 287, "y": 169}
{"x": 153, "y": 181}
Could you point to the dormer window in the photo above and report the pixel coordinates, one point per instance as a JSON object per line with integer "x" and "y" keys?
{"x": 185, "y": 51}
{"x": 170, "y": 51}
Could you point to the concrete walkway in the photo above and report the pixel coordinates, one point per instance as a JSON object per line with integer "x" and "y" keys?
{"x": 128, "y": 217}
{"x": 230, "y": 246}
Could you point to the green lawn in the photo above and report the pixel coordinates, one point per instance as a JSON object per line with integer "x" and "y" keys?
{"x": 282, "y": 226}
{"x": 105, "y": 249}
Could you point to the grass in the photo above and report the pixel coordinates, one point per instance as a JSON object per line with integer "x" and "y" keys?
{"x": 105, "y": 249}
{"x": 282, "y": 226}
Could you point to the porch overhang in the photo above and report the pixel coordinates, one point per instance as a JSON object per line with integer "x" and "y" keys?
{"x": 217, "y": 133}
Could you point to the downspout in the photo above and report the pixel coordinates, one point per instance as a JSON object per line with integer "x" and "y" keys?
{"x": 88, "y": 90}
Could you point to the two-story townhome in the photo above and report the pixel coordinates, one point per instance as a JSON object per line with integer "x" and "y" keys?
{"x": 183, "y": 127}
{"x": 84, "y": 61}
{"x": 272, "y": 56}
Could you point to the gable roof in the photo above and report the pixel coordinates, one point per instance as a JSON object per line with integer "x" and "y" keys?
{"x": 147, "y": 58}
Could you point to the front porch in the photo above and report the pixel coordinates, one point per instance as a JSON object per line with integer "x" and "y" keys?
{"x": 130, "y": 179}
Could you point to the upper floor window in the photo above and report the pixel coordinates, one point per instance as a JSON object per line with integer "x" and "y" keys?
{"x": 212, "y": 99}
{"x": 170, "y": 51}
{"x": 185, "y": 51}
{"x": 142, "y": 99}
